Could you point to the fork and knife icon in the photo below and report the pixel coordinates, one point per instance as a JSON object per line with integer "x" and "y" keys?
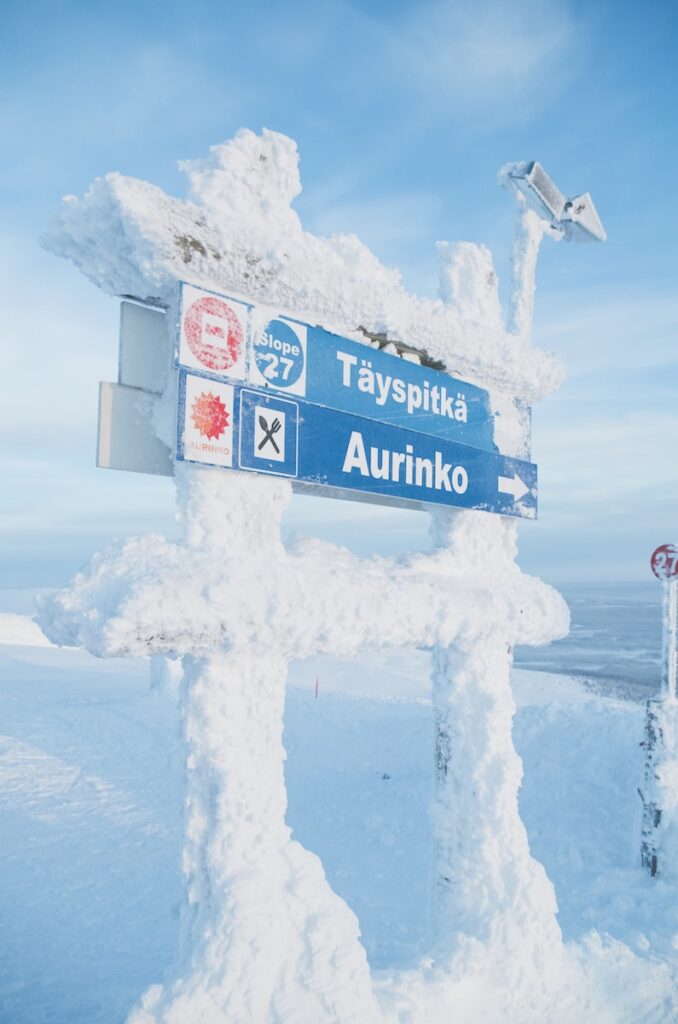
{"x": 269, "y": 433}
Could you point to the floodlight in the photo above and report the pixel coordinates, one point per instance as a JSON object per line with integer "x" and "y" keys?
{"x": 581, "y": 222}
{"x": 534, "y": 184}
{"x": 575, "y": 219}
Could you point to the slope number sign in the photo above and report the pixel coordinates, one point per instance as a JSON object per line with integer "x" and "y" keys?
{"x": 664, "y": 562}
{"x": 280, "y": 357}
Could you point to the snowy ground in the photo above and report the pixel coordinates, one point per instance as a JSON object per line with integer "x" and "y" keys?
{"x": 91, "y": 804}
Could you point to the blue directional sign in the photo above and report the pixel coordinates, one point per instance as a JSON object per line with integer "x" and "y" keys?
{"x": 342, "y": 454}
{"x": 224, "y": 338}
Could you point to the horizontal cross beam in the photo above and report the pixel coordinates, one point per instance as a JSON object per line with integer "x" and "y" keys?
{"x": 153, "y": 597}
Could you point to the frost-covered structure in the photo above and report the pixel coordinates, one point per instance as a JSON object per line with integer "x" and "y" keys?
{"x": 265, "y": 938}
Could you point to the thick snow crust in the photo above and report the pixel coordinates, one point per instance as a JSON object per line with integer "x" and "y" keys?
{"x": 237, "y": 233}
{"x": 234, "y": 584}
{"x": 660, "y": 782}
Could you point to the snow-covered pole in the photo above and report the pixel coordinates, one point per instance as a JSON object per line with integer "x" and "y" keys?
{"x": 543, "y": 209}
{"x": 487, "y": 882}
{"x": 529, "y": 232}
{"x": 471, "y": 681}
{"x": 253, "y": 894}
{"x": 668, "y": 691}
{"x": 485, "y": 878}
{"x": 659, "y": 830}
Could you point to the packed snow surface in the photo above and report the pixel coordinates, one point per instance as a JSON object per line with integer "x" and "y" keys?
{"x": 91, "y": 804}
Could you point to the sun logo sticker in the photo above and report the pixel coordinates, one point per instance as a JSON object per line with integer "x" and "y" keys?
{"x": 206, "y": 421}
{"x": 209, "y": 415}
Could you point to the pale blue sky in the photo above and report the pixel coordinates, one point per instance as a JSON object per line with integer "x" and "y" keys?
{"x": 403, "y": 113}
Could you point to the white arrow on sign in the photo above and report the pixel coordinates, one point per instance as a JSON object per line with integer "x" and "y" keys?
{"x": 512, "y": 485}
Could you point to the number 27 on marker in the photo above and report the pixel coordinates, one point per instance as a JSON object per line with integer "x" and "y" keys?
{"x": 273, "y": 361}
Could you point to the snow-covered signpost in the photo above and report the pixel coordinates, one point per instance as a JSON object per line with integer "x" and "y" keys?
{"x": 227, "y": 383}
{"x": 664, "y": 564}
{"x": 659, "y": 838}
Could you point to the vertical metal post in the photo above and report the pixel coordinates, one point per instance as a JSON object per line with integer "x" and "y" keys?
{"x": 668, "y": 691}
{"x": 659, "y": 742}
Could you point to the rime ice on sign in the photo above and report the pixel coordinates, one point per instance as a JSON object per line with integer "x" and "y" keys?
{"x": 339, "y": 373}
{"x": 355, "y": 458}
{"x": 265, "y": 936}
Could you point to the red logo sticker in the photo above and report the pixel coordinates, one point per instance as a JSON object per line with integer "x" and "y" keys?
{"x": 209, "y": 415}
{"x": 213, "y": 333}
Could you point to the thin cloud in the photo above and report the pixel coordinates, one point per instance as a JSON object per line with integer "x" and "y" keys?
{"x": 490, "y": 52}
{"x": 379, "y": 222}
{"x": 59, "y": 337}
{"x": 608, "y": 460}
{"x": 594, "y": 334}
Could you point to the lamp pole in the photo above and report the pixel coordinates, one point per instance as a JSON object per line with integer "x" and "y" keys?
{"x": 543, "y": 210}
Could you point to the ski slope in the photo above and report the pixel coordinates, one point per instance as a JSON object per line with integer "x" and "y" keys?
{"x": 91, "y": 793}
